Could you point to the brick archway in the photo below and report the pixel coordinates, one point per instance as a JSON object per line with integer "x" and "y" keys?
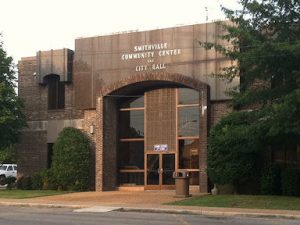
{"x": 106, "y": 127}
{"x": 163, "y": 77}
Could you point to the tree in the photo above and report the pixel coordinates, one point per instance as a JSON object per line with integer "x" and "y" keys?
{"x": 264, "y": 40}
{"x": 12, "y": 119}
{"x": 71, "y": 156}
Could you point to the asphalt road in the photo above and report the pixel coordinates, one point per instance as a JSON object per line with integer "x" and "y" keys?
{"x": 56, "y": 216}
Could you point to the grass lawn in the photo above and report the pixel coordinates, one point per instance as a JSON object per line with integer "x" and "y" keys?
{"x": 28, "y": 193}
{"x": 243, "y": 201}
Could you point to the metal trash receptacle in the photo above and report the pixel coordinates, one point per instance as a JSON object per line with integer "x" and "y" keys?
{"x": 182, "y": 184}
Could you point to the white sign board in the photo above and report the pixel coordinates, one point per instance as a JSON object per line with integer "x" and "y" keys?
{"x": 160, "y": 148}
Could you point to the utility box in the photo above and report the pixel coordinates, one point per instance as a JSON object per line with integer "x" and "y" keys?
{"x": 182, "y": 184}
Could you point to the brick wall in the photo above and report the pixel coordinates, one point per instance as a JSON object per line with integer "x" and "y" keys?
{"x": 110, "y": 115}
{"x": 89, "y": 126}
{"x": 218, "y": 110}
{"x": 32, "y": 149}
{"x": 32, "y": 152}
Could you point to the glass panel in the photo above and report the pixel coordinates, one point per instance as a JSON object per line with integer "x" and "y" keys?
{"x": 10, "y": 168}
{"x": 131, "y": 155}
{"x": 168, "y": 163}
{"x": 15, "y": 168}
{"x": 132, "y": 124}
{"x": 194, "y": 178}
{"x": 131, "y": 179}
{"x": 3, "y": 168}
{"x": 188, "y": 96}
{"x": 188, "y": 154}
{"x": 153, "y": 169}
{"x": 132, "y": 102}
{"x": 188, "y": 124}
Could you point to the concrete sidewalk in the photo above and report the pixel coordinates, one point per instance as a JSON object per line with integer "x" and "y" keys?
{"x": 140, "y": 201}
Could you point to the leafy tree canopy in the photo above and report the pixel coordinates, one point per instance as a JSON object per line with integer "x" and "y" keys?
{"x": 264, "y": 41}
{"x": 12, "y": 119}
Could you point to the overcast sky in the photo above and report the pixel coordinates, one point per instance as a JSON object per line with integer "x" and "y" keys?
{"x": 31, "y": 25}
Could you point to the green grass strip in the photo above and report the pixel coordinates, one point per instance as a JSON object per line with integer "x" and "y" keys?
{"x": 243, "y": 201}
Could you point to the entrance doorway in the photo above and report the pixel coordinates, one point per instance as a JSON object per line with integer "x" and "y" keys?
{"x": 158, "y": 134}
{"x": 159, "y": 172}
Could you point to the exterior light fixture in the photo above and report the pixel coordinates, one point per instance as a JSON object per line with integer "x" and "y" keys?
{"x": 92, "y": 129}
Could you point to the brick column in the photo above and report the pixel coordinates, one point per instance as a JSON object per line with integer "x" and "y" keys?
{"x": 204, "y": 112}
{"x": 99, "y": 145}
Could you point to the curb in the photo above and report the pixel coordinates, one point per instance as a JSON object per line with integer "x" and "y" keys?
{"x": 208, "y": 213}
{"x": 21, "y": 204}
{"x": 211, "y": 213}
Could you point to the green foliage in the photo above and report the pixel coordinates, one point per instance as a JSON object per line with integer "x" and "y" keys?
{"x": 12, "y": 119}
{"x": 233, "y": 149}
{"x": 270, "y": 181}
{"x": 44, "y": 180}
{"x": 71, "y": 160}
{"x": 264, "y": 39}
{"x": 24, "y": 183}
{"x": 49, "y": 180}
{"x": 8, "y": 155}
{"x": 11, "y": 182}
{"x": 37, "y": 181}
{"x": 7, "y": 180}
{"x": 291, "y": 182}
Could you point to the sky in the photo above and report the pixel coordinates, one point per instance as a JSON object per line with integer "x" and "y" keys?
{"x": 28, "y": 26}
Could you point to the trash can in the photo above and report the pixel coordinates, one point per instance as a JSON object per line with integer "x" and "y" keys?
{"x": 182, "y": 184}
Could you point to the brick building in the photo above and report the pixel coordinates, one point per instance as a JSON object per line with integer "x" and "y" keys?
{"x": 145, "y": 99}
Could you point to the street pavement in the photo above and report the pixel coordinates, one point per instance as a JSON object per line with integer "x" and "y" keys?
{"x": 141, "y": 202}
{"x": 12, "y": 215}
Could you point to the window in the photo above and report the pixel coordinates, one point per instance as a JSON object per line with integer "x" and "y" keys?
{"x": 10, "y": 168}
{"x": 188, "y": 154}
{"x": 131, "y": 103}
{"x": 56, "y": 92}
{"x": 188, "y": 132}
{"x": 3, "y": 168}
{"x": 132, "y": 124}
{"x": 49, "y": 154}
{"x": 131, "y": 142}
{"x": 188, "y": 96}
{"x": 188, "y": 124}
{"x": 131, "y": 155}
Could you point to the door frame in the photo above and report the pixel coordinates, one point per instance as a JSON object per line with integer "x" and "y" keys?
{"x": 160, "y": 185}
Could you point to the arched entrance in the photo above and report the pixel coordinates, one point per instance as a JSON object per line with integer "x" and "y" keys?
{"x": 149, "y": 129}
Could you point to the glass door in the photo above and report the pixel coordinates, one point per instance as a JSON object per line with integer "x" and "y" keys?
{"x": 159, "y": 173}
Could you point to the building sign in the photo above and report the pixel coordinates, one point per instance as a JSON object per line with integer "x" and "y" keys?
{"x": 160, "y": 148}
{"x": 149, "y": 53}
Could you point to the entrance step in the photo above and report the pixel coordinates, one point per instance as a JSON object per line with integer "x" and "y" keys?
{"x": 130, "y": 188}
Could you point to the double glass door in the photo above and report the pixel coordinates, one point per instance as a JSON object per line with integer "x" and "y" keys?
{"x": 159, "y": 173}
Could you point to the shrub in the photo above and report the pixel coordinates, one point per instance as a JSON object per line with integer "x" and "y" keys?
{"x": 270, "y": 180}
{"x": 10, "y": 181}
{"x": 234, "y": 144}
{"x": 24, "y": 183}
{"x": 49, "y": 181}
{"x": 71, "y": 160}
{"x": 37, "y": 181}
{"x": 291, "y": 182}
